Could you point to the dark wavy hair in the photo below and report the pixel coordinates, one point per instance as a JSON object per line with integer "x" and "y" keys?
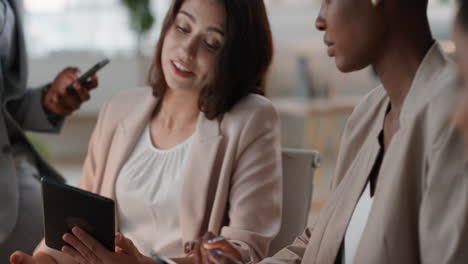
{"x": 244, "y": 59}
{"x": 462, "y": 16}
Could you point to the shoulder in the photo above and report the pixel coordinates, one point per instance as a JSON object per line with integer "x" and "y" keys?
{"x": 365, "y": 114}
{"x": 121, "y": 103}
{"x": 118, "y": 107}
{"x": 254, "y": 110}
{"x": 127, "y": 99}
{"x": 360, "y": 126}
{"x": 440, "y": 106}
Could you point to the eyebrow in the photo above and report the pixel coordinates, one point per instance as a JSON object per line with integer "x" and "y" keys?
{"x": 188, "y": 15}
{"x": 191, "y": 17}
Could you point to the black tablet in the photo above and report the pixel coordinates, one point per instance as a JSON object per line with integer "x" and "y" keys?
{"x": 66, "y": 207}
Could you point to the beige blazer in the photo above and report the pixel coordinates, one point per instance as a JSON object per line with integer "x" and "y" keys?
{"x": 420, "y": 210}
{"x": 232, "y": 175}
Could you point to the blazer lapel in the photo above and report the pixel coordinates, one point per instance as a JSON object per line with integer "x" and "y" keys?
{"x": 349, "y": 192}
{"x": 126, "y": 136}
{"x": 352, "y": 189}
{"x": 198, "y": 174}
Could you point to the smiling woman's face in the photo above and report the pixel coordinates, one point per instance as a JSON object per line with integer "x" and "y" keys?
{"x": 460, "y": 37}
{"x": 193, "y": 43}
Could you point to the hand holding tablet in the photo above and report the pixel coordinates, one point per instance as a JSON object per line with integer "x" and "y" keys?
{"x": 66, "y": 207}
{"x": 81, "y": 224}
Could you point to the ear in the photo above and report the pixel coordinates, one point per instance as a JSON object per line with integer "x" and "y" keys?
{"x": 376, "y": 3}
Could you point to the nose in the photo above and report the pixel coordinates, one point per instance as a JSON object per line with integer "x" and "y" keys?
{"x": 320, "y": 22}
{"x": 189, "y": 47}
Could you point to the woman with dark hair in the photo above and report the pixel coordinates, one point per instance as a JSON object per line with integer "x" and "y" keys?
{"x": 400, "y": 193}
{"x": 198, "y": 152}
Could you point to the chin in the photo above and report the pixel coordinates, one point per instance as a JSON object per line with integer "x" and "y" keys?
{"x": 180, "y": 86}
{"x": 176, "y": 85}
{"x": 347, "y": 66}
{"x": 343, "y": 67}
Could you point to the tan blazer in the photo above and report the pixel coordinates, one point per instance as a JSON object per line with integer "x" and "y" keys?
{"x": 420, "y": 210}
{"x": 232, "y": 175}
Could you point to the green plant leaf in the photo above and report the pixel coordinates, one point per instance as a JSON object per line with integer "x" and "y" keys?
{"x": 141, "y": 17}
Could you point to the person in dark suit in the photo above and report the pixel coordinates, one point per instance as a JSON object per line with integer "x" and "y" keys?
{"x": 42, "y": 110}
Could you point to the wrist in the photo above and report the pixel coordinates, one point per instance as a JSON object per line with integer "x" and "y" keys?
{"x": 45, "y": 91}
{"x": 53, "y": 117}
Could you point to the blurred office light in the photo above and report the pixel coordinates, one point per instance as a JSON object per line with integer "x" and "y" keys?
{"x": 45, "y": 6}
{"x": 54, "y": 26}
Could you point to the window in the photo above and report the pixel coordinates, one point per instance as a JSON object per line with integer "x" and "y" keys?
{"x": 102, "y": 26}
{"x": 84, "y": 26}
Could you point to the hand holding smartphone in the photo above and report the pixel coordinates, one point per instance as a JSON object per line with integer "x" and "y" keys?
{"x": 85, "y": 76}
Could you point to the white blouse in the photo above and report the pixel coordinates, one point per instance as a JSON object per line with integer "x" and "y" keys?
{"x": 148, "y": 191}
{"x": 356, "y": 226}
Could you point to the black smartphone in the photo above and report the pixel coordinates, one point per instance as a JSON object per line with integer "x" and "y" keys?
{"x": 84, "y": 77}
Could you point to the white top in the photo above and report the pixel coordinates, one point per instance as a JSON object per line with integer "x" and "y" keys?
{"x": 148, "y": 191}
{"x": 356, "y": 226}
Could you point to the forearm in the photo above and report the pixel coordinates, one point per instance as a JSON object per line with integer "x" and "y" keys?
{"x": 27, "y": 110}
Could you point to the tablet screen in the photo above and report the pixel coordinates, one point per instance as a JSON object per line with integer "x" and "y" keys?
{"x": 66, "y": 207}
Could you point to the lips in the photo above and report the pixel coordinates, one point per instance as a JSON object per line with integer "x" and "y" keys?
{"x": 331, "y": 50}
{"x": 330, "y": 45}
{"x": 181, "y": 69}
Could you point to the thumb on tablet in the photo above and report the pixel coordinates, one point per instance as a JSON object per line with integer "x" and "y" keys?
{"x": 126, "y": 245}
{"x": 20, "y": 258}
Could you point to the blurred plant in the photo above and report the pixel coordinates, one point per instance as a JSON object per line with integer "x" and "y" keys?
{"x": 141, "y": 18}
{"x": 39, "y": 145}
{"x": 141, "y": 21}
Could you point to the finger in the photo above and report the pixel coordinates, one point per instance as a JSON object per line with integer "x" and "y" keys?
{"x": 215, "y": 258}
{"x": 69, "y": 101}
{"x": 223, "y": 245}
{"x": 91, "y": 83}
{"x": 120, "y": 251}
{"x": 190, "y": 246}
{"x": 19, "y": 257}
{"x": 81, "y": 248}
{"x": 218, "y": 257}
{"x": 63, "y": 83}
{"x": 66, "y": 77}
{"x": 197, "y": 254}
{"x": 75, "y": 71}
{"x": 60, "y": 107}
{"x": 64, "y": 86}
{"x": 218, "y": 243}
{"x": 90, "y": 242}
{"x": 204, "y": 255}
{"x": 78, "y": 91}
{"x": 74, "y": 254}
{"x": 126, "y": 245}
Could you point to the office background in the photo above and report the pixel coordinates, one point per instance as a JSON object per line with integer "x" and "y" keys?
{"x": 313, "y": 98}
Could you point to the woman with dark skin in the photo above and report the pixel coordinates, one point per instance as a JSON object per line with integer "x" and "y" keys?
{"x": 401, "y": 186}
